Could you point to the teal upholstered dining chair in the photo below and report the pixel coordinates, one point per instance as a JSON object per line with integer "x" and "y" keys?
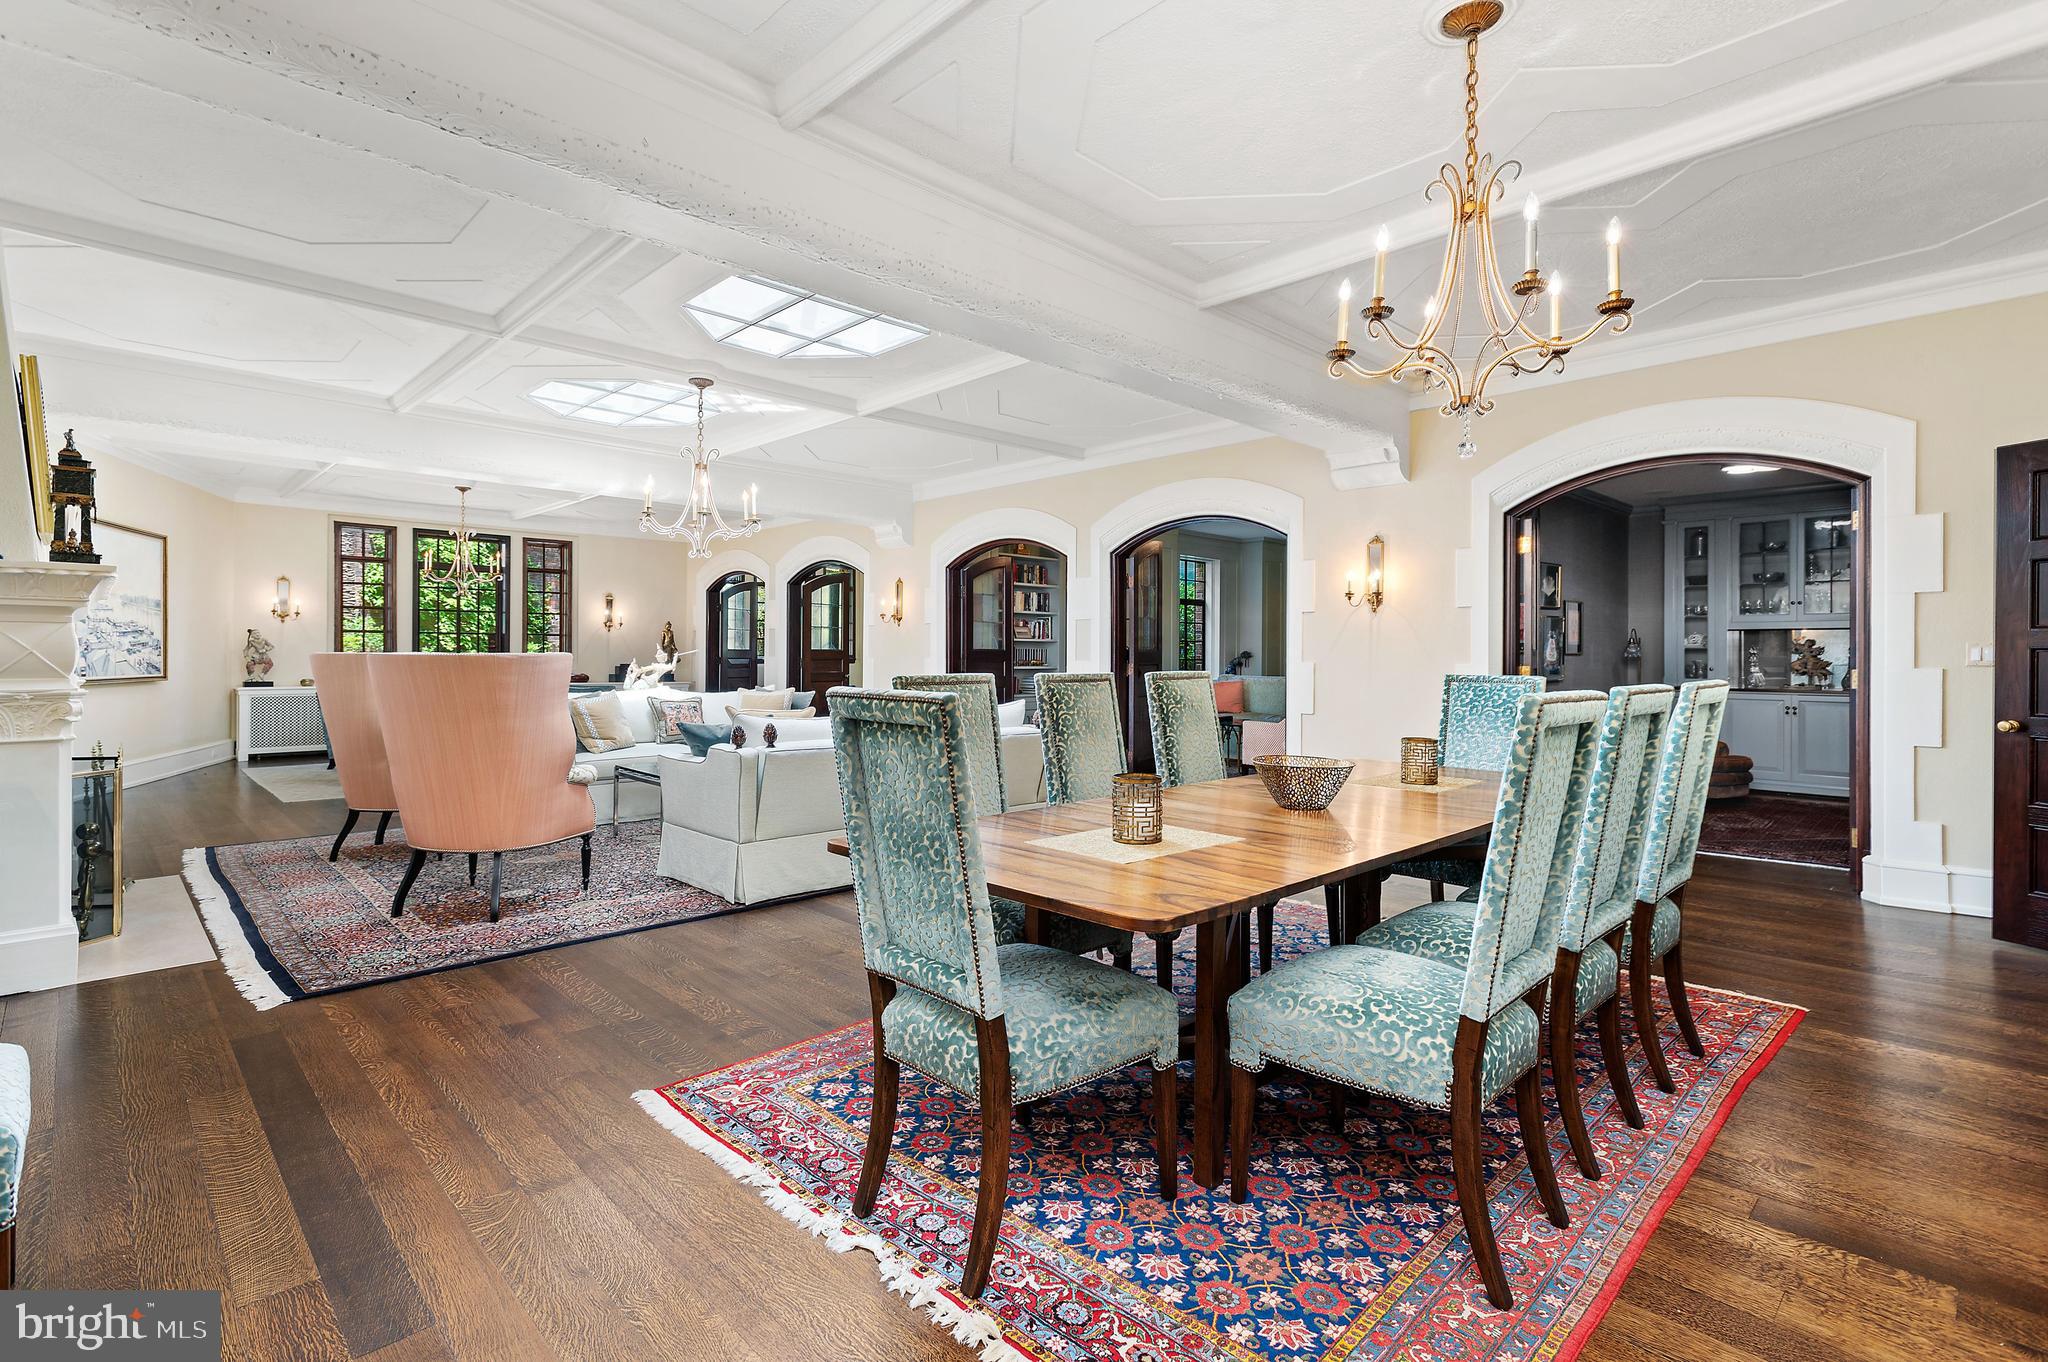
{"x": 13, "y": 1149}
{"x": 1083, "y": 735}
{"x": 1671, "y": 838}
{"x": 1438, "y": 1035}
{"x": 1474, "y": 730}
{"x": 1600, "y": 899}
{"x": 977, "y": 692}
{"x": 1001, "y": 1024}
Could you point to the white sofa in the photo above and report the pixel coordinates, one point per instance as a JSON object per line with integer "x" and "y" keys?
{"x": 636, "y": 800}
{"x": 750, "y": 824}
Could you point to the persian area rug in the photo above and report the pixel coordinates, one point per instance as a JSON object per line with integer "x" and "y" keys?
{"x": 1351, "y": 1246}
{"x": 1802, "y": 829}
{"x": 289, "y": 925}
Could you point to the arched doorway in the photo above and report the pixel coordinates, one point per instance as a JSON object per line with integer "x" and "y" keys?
{"x": 1749, "y": 568}
{"x": 736, "y": 619}
{"x": 1205, "y": 593}
{"x": 823, "y": 609}
{"x": 1006, "y": 613}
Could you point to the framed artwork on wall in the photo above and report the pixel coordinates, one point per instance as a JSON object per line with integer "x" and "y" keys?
{"x": 1550, "y": 651}
{"x": 1574, "y": 640}
{"x": 1550, "y": 587}
{"x": 35, "y": 434}
{"x": 123, "y": 633}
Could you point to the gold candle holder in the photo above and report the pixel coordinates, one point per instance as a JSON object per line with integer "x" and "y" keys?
{"x": 1418, "y": 761}
{"x": 1137, "y": 810}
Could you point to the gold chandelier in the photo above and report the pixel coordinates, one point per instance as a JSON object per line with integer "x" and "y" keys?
{"x": 701, "y": 526}
{"x": 1450, "y": 352}
{"x": 464, "y": 574}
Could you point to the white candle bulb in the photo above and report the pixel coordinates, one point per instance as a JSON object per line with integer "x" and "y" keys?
{"x": 1530, "y": 210}
{"x": 1614, "y": 255}
{"x": 1343, "y": 312}
{"x": 1379, "y": 264}
{"x": 647, "y": 500}
{"x": 1556, "y": 296}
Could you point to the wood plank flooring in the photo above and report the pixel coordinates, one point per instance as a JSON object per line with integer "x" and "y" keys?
{"x": 452, "y": 1168}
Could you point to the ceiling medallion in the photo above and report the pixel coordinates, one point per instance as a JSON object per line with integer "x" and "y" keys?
{"x": 465, "y": 573}
{"x": 701, "y": 526}
{"x": 1450, "y": 351}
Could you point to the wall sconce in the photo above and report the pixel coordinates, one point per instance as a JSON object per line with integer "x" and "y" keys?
{"x": 614, "y": 618}
{"x": 1375, "y": 591}
{"x": 894, "y": 614}
{"x": 284, "y": 607}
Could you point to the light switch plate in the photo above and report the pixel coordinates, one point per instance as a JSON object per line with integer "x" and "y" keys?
{"x": 1981, "y": 655}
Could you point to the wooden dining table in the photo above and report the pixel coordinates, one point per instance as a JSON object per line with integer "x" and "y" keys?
{"x": 1276, "y": 854}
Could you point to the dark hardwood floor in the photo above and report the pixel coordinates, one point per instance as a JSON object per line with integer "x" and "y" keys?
{"x": 451, "y": 1166}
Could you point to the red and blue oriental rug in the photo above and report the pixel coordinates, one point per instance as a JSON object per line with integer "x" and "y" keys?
{"x": 1351, "y": 1246}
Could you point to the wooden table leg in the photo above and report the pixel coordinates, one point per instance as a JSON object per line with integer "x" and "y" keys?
{"x": 1218, "y": 967}
{"x": 1035, "y": 928}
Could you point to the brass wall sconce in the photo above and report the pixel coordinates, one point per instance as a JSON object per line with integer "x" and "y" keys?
{"x": 614, "y": 618}
{"x": 1374, "y": 592}
{"x": 894, "y": 614}
{"x": 284, "y": 607}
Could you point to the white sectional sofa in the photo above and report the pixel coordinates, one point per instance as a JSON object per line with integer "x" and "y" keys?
{"x": 636, "y": 800}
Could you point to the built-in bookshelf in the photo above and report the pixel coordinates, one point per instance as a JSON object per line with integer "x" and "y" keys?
{"x": 1008, "y": 614}
{"x": 1037, "y": 610}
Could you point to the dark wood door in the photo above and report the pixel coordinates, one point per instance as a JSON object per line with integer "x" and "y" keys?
{"x": 822, "y": 632}
{"x": 1141, "y": 643}
{"x": 2019, "y": 762}
{"x": 733, "y": 632}
{"x": 979, "y": 632}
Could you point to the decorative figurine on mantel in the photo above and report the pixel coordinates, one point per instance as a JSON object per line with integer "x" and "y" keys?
{"x": 256, "y": 663}
{"x": 72, "y": 504}
{"x": 668, "y": 639}
{"x": 1808, "y": 663}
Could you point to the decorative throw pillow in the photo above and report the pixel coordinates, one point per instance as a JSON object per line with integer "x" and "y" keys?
{"x": 1011, "y": 713}
{"x": 802, "y": 699}
{"x": 1230, "y": 697}
{"x": 600, "y": 722}
{"x": 768, "y": 698}
{"x": 732, "y": 712}
{"x": 701, "y": 738}
{"x": 671, "y": 715}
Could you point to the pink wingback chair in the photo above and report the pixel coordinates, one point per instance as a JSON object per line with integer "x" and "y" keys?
{"x": 342, "y": 681}
{"x": 480, "y": 749}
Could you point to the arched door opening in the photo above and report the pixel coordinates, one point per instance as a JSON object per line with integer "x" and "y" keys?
{"x": 736, "y": 618}
{"x": 1006, "y": 613}
{"x": 1205, "y": 594}
{"x": 824, "y": 601}
{"x": 1747, "y": 568}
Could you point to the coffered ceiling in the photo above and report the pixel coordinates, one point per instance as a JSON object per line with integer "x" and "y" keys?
{"x": 325, "y": 254}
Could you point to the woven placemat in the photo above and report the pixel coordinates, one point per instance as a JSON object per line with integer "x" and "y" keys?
{"x": 1098, "y": 844}
{"x": 1444, "y": 784}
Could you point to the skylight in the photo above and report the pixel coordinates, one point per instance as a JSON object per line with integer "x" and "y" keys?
{"x": 785, "y": 322}
{"x": 622, "y": 402}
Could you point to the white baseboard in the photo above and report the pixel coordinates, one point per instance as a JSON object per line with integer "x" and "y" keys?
{"x": 143, "y": 770}
{"x": 38, "y": 958}
{"x": 1961, "y": 890}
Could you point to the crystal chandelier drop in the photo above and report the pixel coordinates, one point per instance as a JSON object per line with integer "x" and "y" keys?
{"x": 465, "y": 575}
{"x": 701, "y": 526}
{"x": 1453, "y": 351}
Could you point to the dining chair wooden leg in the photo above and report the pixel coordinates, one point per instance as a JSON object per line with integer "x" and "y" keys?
{"x": 992, "y": 1040}
{"x": 1536, "y": 1144}
{"x": 882, "y": 1115}
{"x": 586, "y": 860}
{"x": 1436, "y": 891}
{"x": 1334, "y": 907}
{"x": 1266, "y": 915}
{"x": 1681, "y": 1006}
{"x": 1244, "y": 1099}
{"x": 1616, "y": 1059}
{"x": 1564, "y": 1074}
{"x": 348, "y": 825}
{"x": 497, "y": 868}
{"x": 412, "y": 872}
{"x": 1468, "y": 1164}
{"x": 1120, "y": 956}
{"x": 383, "y": 824}
{"x": 1214, "y": 982}
{"x": 1166, "y": 1128}
{"x": 1339, "y": 1107}
{"x": 1365, "y": 908}
{"x": 472, "y": 869}
{"x": 1639, "y": 999}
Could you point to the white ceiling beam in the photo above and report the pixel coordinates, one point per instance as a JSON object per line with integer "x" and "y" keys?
{"x": 302, "y": 481}
{"x": 858, "y": 55}
{"x": 943, "y": 425}
{"x": 2008, "y": 32}
{"x": 550, "y": 507}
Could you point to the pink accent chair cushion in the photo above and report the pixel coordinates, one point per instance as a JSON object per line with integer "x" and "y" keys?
{"x": 1230, "y": 697}
{"x": 342, "y": 681}
{"x": 480, "y": 748}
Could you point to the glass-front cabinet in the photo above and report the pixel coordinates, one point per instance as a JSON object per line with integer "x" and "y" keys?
{"x": 1827, "y": 568}
{"x": 1794, "y": 569}
{"x": 1696, "y": 597}
{"x": 1763, "y": 567}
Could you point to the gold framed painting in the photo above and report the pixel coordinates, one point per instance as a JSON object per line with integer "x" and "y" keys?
{"x": 35, "y": 436}
{"x": 123, "y": 632}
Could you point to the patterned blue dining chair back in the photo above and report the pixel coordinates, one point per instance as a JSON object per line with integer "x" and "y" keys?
{"x": 1678, "y": 801}
{"x": 1083, "y": 734}
{"x": 1527, "y": 879}
{"x": 977, "y": 692}
{"x": 918, "y": 881}
{"x": 1187, "y": 742}
{"x": 1610, "y": 840}
{"x": 1477, "y": 726}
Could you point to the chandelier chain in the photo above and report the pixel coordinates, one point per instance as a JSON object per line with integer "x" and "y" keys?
{"x": 1472, "y": 120}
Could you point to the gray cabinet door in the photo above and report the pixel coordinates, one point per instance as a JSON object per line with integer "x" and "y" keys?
{"x": 1825, "y": 570}
{"x": 1821, "y": 738}
{"x": 1759, "y": 727}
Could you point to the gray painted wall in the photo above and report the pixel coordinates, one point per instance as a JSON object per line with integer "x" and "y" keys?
{"x": 1590, "y": 541}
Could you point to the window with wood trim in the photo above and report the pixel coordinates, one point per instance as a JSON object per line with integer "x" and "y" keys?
{"x": 545, "y": 584}
{"x": 363, "y": 608}
{"x": 445, "y": 620}
{"x": 1194, "y": 614}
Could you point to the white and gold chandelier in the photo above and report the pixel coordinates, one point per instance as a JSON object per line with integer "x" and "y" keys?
{"x": 701, "y": 525}
{"x": 1452, "y": 352}
{"x": 463, "y": 573}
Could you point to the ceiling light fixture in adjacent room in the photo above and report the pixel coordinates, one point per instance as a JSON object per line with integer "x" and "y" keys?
{"x": 783, "y": 321}
{"x": 466, "y": 572}
{"x": 701, "y": 526}
{"x": 1448, "y": 352}
{"x": 1743, "y": 470}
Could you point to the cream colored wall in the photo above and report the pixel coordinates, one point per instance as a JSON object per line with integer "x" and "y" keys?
{"x": 1969, "y": 379}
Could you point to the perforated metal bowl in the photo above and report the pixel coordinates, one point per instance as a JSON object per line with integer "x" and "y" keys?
{"x": 1303, "y": 784}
